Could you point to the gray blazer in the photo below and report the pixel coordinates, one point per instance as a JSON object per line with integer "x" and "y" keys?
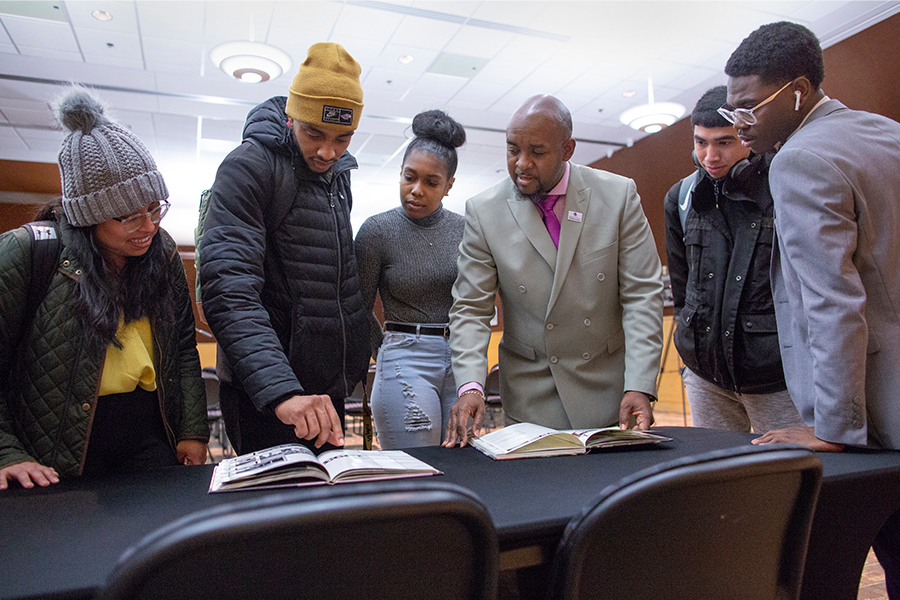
{"x": 836, "y": 273}
{"x": 582, "y": 324}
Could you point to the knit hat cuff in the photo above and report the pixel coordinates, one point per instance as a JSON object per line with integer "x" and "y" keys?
{"x": 116, "y": 201}
{"x": 323, "y": 111}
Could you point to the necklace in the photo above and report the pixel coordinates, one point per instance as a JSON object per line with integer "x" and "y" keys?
{"x": 427, "y": 241}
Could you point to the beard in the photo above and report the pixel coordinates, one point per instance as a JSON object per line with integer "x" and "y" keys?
{"x": 535, "y": 197}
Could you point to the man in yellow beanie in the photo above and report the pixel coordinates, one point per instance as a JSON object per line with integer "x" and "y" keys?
{"x": 279, "y": 280}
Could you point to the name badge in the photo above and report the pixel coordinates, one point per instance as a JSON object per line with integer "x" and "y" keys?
{"x": 575, "y": 216}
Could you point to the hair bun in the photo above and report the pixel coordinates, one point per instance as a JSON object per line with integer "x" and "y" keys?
{"x": 440, "y": 127}
{"x": 80, "y": 110}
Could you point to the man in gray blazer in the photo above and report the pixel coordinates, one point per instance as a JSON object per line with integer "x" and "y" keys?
{"x": 835, "y": 182}
{"x": 571, "y": 254}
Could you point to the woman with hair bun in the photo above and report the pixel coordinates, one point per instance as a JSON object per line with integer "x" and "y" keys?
{"x": 101, "y": 375}
{"x": 408, "y": 255}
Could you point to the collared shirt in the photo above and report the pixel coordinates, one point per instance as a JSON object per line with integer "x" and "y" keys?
{"x": 560, "y": 189}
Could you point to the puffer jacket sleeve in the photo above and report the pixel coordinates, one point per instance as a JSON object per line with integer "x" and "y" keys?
{"x": 232, "y": 275}
{"x": 194, "y": 425}
{"x": 15, "y": 269}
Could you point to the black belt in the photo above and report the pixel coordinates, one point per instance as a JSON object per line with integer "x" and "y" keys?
{"x": 443, "y": 331}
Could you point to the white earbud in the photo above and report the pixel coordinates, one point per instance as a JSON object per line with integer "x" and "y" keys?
{"x": 797, "y": 103}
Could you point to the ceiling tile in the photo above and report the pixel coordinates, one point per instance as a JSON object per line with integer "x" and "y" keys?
{"x": 422, "y": 59}
{"x": 424, "y": 33}
{"x": 124, "y": 19}
{"x": 389, "y": 81}
{"x": 477, "y": 41}
{"x": 172, "y": 20}
{"x": 123, "y": 45}
{"x": 310, "y": 20}
{"x": 46, "y": 35}
{"x": 366, "y": 23}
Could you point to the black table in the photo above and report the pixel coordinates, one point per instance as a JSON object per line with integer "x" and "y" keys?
{"x": 64, "y": 540}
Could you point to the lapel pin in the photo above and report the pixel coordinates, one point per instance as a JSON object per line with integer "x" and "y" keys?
{"x": 575, "y": 216}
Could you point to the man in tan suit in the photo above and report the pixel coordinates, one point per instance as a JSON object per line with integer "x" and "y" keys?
{"x": 571, "y": 254}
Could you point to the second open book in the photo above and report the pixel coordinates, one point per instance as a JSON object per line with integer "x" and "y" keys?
{"x": 522, "y": 440}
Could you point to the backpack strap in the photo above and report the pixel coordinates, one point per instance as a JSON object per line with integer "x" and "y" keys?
{"x": 684, "y": 197}
{"x": 45, "y": 250}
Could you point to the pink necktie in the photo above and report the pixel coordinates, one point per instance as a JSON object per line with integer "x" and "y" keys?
{"x": 550, "y": 219}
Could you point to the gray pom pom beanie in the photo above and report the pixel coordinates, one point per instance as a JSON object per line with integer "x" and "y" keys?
{"x": 106, "y": 171}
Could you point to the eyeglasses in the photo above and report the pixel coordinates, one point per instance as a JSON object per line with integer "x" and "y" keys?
{"x": 745, "y": 115}
{"x": 133, "y": 222}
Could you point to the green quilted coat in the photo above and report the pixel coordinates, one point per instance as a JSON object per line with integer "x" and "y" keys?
{"x": 50, "y": 382}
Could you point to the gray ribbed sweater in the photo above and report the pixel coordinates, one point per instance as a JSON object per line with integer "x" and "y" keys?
{"x": 411, "y": 263}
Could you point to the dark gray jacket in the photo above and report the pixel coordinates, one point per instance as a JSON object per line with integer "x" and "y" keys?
{"x": 282, "y": 298}
{"x": 719, "y": 268}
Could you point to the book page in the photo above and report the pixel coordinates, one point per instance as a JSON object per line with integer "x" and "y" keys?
{"x": 263, "y": 464}
{"x": 372, "y": 464}
{"x": 613, "y": 436}
{"x": 519, "y": 435}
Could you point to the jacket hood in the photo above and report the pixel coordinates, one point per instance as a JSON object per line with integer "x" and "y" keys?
{"x": 267, "y": 124}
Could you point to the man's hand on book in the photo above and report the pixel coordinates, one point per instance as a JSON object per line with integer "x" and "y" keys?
{"x": 635, "y": 411}
{"x": 467, "y": 405}
{"x": 313, "y": 418}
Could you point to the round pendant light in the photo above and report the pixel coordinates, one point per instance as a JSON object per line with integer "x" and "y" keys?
{"x": 653, "y": 116}
{"x": 250, "y": 62}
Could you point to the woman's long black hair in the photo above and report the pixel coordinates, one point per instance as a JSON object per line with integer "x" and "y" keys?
{"x": 144, "y": 289}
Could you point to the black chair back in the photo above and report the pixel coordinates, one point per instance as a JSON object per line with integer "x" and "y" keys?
{"x": 725, "y": 524}
{"x": 363, "y": 540}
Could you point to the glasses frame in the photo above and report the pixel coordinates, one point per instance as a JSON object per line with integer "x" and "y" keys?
{"x": 745, "y": 115}
{"x": 133, "y": 223}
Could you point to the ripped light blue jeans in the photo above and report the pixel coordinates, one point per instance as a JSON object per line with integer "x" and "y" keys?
{"x": 413, "y": 390}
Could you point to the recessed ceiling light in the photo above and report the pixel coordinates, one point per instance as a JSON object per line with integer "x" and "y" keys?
{"x": 101, "y": 15}
{"x": 406, "y": 59}
{"x": 629, "y": 93}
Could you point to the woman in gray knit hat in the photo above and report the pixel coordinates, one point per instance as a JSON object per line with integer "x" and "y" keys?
{"x": 102, "y": 374}
{"x": 408, "y": 255}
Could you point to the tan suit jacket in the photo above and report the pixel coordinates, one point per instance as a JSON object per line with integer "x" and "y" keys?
{"x": 582, "y": 324}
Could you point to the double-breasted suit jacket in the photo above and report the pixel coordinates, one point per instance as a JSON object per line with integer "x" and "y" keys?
{"x": 836, "y": 273}
{"x": 582, "y": 324}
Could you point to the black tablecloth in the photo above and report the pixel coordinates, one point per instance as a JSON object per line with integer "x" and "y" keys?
{"x": 64, "y": 540}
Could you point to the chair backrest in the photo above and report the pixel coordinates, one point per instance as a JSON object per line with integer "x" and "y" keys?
{"x": 725, "y": 524}
{"x": 364, "y": 540}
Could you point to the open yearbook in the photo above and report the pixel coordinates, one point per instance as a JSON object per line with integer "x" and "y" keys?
{"x": 296, "y": 465}
{"x": 522, "y": 440}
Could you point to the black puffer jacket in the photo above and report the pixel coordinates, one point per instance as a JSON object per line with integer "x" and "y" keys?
{"x": 282, "y": 298}
{"x": 719, "y": 267}
{"x": 49, "y": 394}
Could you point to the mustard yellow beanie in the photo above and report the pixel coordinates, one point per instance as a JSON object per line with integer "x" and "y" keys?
{"x": 326, "y": 90}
